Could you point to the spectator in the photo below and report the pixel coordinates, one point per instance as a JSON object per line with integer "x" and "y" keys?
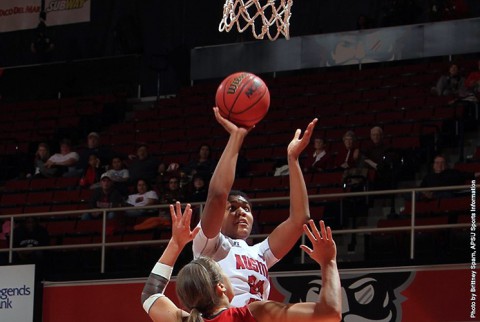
{"x": 386, "y": 162}
{"x": 374, "y": 150}
{"x": 104, "y": 197}
{"x": 204, "y": 165}
{"x": 91, "y": 176}
{"x": 63, "y": 162}
{"x": 348, "y": 157}
{"x": 30, "y": 234}
{"x": 105, "y": 154}
{"x": 320, "y": 160}
{"x": 173, "y": 192}
{"x": 473, "y": 80}
{"x": 451, "y": 84}
{"x": 442, "y": 176}
{"x": 119, "y": 175}
{"x": 143, "y": 165}
{"x": 199, "y": 189}
{"x": 5, "y": 234}
{"x": 41, "y": 157}
{"x": 145, "y": 196}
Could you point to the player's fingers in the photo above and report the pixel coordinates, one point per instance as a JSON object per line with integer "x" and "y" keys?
{"x": 178, "y": 207}
{"x": 314, "y": 229}
{"x": 187, "y": 215}
{"x": 323, "y": 231}
{"x": 306, "y": 249}
{"x": 195, "y": 231}
{"x": 173, "y": 215}
{"x": 329, "y": 233}
{"x": 309, "y": 234}
{"x": 297, "y": 134}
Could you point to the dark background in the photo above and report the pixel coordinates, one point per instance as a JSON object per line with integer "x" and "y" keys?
{"x": 157, "y": 36}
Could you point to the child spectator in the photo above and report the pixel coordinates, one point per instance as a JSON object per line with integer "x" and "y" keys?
{"x": 91, "y": 176}
{"x": 145, "y": 196}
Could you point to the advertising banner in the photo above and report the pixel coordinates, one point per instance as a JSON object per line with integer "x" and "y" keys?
{"x": 16, "y": 293}
{"x": 19, "y": 14}
{"x": 62, "y": 12}
{"x": 442, "y": 293}
{"x": 25, "y": 14}
{"x": 338, "y": 49}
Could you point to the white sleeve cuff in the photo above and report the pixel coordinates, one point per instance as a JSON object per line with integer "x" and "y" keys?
{"x": 149, "y": 302}
{"x": 163, "y": 270}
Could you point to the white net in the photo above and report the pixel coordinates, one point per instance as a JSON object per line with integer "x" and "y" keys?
{"x": 274, "y": 17}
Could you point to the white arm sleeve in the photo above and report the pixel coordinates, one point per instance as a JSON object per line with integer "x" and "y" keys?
{"x": 216, "y": 248}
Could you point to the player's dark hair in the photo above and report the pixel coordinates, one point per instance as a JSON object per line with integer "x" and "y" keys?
{"x": 240, "y": 193}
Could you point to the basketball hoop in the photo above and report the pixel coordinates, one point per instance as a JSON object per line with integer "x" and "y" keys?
{"x": 243, "y": 13}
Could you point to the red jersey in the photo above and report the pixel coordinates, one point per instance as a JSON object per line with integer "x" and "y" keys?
{"x": 234, "y": 314}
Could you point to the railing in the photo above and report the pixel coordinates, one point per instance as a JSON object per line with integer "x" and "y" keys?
{"x": 104, "y": 244}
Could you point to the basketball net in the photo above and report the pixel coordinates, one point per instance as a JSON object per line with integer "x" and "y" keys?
{"x": 244, "y": 13}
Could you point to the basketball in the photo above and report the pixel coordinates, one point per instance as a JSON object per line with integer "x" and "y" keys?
{"x": 243, "y": 98}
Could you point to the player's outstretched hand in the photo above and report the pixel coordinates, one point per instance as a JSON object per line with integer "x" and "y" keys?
{"x": 229, "y": 126}
{"x": 297, "y": 145}
{"x": 181, "y": 232}
{"x": 323, "y": 248}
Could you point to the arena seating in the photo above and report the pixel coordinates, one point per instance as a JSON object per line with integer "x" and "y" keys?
{"x": 397, "y": 98}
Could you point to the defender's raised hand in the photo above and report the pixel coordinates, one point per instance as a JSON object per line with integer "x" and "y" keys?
{"x": 324, "y": 248}
{"x": 181, "y": 232}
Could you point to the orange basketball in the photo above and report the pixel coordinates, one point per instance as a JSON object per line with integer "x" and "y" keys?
{"x": 243, "y": 98}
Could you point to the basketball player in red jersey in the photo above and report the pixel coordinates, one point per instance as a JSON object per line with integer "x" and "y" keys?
{"x": 206, "y": 292}
{"x": 227, "y": 220}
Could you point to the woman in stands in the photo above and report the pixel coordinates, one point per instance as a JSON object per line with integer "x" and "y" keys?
{"x": 206, "y": 291}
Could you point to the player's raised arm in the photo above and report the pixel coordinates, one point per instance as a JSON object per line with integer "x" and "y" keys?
{"x": 285, "y": 235}
{"x": 157, "y": 306}
{"x": 328, "y": 307}
{"x": 222, "y": 178}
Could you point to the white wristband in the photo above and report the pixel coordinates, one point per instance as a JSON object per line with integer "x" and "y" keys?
{"x": 162, "y": 270}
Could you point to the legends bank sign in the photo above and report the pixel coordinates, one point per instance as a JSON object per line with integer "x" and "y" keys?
{"x": 16, "y": 293}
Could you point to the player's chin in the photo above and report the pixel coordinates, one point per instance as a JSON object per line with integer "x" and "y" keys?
{"x": 243, "y": 232}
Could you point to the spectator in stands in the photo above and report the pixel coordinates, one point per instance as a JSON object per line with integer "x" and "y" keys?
{"x": 203, "y": 165}
{"x": 473, "y": 80}
{"x": 378, "y": 156}
{"x": 119, "y": 175}
{"x": 374, "y": 150}
{"x": 41, "y": 157}
{"x": 348, "y": 157}
{"x": 199, "y": 189}
{"x": 143, "y": 165}
{"x": 65, "y": 161}
{"x": 320, "y": 160}
{"x": 144, "y": 196}
{"x": 451, "y": 84}
{"x": 91, "y": 176}
{"x": 5, "y": 232}
{"x": 104, "y": 153}
{"x": 443, "y": 176}
{"x": 106, "y": 196}
{"x": 173, "y": 192}
{"x": 30, "y": 234}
